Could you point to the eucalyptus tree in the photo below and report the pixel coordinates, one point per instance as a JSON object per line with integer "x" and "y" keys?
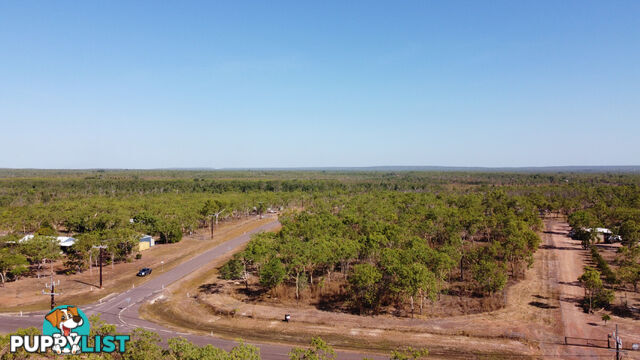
{"x": 272, "y": 273}
{"x": 365, "y": 285}
{"x": 592, "y": 282}
{"x": 40, "y": 249}
{"x": 630, "y": 274}
{"x": 490, "y": 276}
{"x": 12, "y": 264}
{"x": 630, "y": 233}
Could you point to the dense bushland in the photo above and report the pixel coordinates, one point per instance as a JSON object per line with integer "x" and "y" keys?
{"x": 387, "y": 237}
{"x": 393, "y": 247}
{"x": 113, "y": 212}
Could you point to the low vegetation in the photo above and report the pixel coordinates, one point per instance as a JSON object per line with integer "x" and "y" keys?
{"x": 146, "y": 345}
{"x": 596, "y": 295}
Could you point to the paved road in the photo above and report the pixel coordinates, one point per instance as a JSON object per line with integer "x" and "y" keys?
{"x": 122, "y": 309}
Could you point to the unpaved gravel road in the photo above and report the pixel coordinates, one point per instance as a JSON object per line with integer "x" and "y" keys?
{"x": 565, "y": 268}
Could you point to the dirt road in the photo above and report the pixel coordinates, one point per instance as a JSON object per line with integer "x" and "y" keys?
{"x": 565, "y": 266}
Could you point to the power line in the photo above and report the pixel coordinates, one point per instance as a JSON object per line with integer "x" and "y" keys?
{"x": 52, "y": 290}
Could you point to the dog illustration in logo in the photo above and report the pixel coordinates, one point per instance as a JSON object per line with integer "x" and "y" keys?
{"x": 65, "y": 320}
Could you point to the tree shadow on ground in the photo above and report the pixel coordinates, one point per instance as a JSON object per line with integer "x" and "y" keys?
{"x": 572, "y": 299}
{"x": 551, "y": 247}
{"x": 85, "y": 283}
{"x": 211, "y": 288}
{"x": 555, "y": 232}
{"x": 607, "y": 247}
{"x": 334, "y": 303}
{"x": 625, "y": 312}
{"x": 542, "y": 305}
{"x": 252, "y": 293}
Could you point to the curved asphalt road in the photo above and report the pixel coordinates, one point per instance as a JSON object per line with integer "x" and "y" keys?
{"x": 122, "y": 309}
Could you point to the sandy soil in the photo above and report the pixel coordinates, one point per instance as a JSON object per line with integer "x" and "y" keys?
{"x": 82, "y": 288}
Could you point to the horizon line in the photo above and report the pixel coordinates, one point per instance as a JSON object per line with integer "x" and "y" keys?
{"x": 551, "y": 168}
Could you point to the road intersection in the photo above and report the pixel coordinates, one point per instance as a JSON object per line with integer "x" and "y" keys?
{"x": 122, "y": 309}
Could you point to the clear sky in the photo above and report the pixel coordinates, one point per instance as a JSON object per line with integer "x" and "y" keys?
{"x": 152, "y": 84}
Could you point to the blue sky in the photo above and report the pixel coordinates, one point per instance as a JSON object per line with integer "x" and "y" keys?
{"x": 151, "y": 84}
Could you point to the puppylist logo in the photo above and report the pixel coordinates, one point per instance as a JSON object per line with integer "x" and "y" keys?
{"x": 65, "y": 330}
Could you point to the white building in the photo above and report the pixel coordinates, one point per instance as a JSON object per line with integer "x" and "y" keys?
{"x": 64, "y": 241}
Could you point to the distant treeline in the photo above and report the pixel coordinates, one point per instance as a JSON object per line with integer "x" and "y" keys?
{"x": 20, "y": 187}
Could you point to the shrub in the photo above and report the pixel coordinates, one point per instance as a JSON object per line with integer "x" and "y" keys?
{"x": 170, "y": 233}
{"x": 364, "y": 283}
{"x": 409, "y": 354}
{"x": 46, "y": 230}
{"x": 603, "y": 298}
{"x": 603, "y": 266}
{"x": 272, "y": 273}
{"x": 319, "y": 350}
{"x": 232, "y": 270}
{"x": 490, "y": 276}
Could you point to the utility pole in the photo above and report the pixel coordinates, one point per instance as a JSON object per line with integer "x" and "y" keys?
{"x": 101, "y": 247}
{"x": 52, "y": 291}
{"x": 216, "y": 215}
{"x": 618, "y": 341}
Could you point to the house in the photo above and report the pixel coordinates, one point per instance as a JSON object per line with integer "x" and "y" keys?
{"x": 64, "y": 241}
{"x": 146, "y": 241}
{"x": 602, "y": 233}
